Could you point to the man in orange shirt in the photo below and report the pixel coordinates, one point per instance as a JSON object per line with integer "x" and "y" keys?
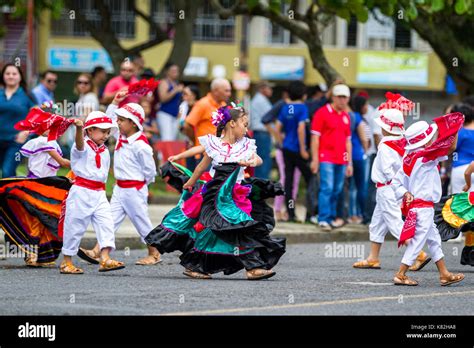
{"x": 198, "y": 122}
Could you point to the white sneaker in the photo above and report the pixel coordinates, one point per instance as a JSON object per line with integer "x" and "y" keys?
{"x": 325, "y": 226}
{"x": 313, "y": 220}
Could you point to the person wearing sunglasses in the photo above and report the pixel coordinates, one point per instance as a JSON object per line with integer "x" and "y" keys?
{"x": 44, "y": 91}
{"x": 88, "y": 100}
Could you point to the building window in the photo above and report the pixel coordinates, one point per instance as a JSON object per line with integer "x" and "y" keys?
{"x": 352, "y": 32}
{"x": 402, "y": 35}
{"x": 279, "y": 35}
{"x": 207, "y": 26}
{"x": 122, "y": 18}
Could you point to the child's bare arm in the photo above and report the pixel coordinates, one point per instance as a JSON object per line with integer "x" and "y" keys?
{"x": 188, "y": 153}
{"x": 200, "y": 169}
{"x": 79, "y": 135}
{"x": 467, "y": 176}
{"x": 63, "y": 162}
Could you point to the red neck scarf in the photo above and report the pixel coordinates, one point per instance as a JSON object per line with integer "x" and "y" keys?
{"x": 397, "y": 145}
{"x": 98, "y": 150}
{"x": 122, "y": 141}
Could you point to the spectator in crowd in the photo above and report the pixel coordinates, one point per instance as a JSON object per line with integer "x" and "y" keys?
{"x": 317, "y": 98}
{"x": 464, "y": 154}
{"x": 88, "y": 100}
{"x": 374, "y": 134}
{"x": 291, "y": 131}
{"x": 117, "y": 83}
{"x": 139, "y": 63}
{"x": 150, "y": 127}
{"x": 191, "y": 95}
{"x": 360, "y": 144}
{"x": 99, "y": 77}
{"x": 15, "y": 102}
{"x": 332, "y": 153}
{"x": 198, "y": 122}
{"x": 269, "y": 119}
{"x": 44, "y": 91}
{"x": 259, "y": 106}
{"x": 170, "y": 92}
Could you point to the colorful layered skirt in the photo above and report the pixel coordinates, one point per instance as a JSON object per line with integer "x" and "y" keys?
{"x": 222, "y": 226}
{"x": 30, "y": 211}
{"x": 454, "y": 215}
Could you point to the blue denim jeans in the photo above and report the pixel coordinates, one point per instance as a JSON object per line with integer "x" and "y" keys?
{"x": 332, "y": 181}
{"x": 10, "y": 158}
{"x": 358, "y": 189}
{"x": 264, "y": 149}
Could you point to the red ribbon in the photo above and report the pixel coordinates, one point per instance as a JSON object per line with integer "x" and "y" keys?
{"x": 98, "y": 150}
{"x": 121, "y": 141}
{"x": 98, "y": 120}
{"x": 131, "y": 184}
{"x": 390, "y": 123}
{"x": 133, "y": 112}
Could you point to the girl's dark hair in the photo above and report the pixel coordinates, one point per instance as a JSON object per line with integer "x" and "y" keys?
{"x": 195, "y": 90}
{"x": 235, "y": 114}
{"x": 22, "y": 81}
{"x": 358, "y": 103}
{"x": 466, "y": 110}
{"x": 168, "y": 66}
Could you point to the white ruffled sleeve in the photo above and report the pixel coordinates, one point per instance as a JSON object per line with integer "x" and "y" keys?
{"x": 211, "y": 145}
{"x": 35, "y": 146}
{"x": 252, "y": 148}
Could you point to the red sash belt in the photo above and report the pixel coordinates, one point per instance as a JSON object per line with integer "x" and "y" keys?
{"x": 409, "y": 227}
{"x": 131, "y": 183}
{"x": 379, "y": 184}
{"x": 90, "y": 184}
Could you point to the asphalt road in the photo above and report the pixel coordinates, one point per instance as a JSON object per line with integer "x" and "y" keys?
{"x": 312, "y": 279}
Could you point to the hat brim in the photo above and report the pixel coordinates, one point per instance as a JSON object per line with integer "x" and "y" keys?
{"x": 386, "y": 127}
{"x": 102, "y": 126}
{"x": 424, "y": 141}
{"x": 126, "y": 114}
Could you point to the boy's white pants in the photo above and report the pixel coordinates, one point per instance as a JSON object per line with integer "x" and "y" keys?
{"x": 84, "y": 206}
{"x": 387, "y": 216}
{"x": 134, "y": 204}
{"x": 426, "y": 232}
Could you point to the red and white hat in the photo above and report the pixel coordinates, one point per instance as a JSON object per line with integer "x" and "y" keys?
{"x": 391, "y": 120}
{"x": 134, "y": 112}
{"x": 100, "y": 120}
{"x": 419, "y": 133}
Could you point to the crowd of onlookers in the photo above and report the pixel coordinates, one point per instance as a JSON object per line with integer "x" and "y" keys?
{"x": 327, "y": 137}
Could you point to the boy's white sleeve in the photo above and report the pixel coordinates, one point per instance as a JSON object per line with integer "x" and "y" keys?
{"x": 111, "y": 113}
{"x": 387, "y": 160}
{"x": 145, "y": 156}
{"x": 400, "y": 184}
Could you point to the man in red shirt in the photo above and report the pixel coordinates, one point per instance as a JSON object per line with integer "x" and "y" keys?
{"x": 125, "y": 79}
{"x": 331, "y": 149}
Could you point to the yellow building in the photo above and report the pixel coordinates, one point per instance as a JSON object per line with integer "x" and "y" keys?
{"x": 367, "y": 55}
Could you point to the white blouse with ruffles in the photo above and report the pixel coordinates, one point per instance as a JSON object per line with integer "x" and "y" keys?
{"x": 222, "y": 152}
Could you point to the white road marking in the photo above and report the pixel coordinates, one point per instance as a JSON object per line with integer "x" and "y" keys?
{"x": 323, "y": 303}
{"x": 368, "y": 283}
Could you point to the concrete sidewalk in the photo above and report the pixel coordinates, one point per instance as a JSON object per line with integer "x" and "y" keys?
{"x": 127, "y": 236}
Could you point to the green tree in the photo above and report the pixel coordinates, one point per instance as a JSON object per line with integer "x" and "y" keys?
{"x": 185, "y": 15}
{"x": 446, "y": 25}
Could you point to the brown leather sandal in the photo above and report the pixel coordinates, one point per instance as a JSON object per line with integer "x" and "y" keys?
{"x": 89, "y": 256}
{"x": 421, "y": 261}
{"x": 366, "y": 264}
{"x": 69, "y": 268}
{"x": 196, "y": 275}
{"x": 110, "y": 265}
{"x": 451, "y": 279}
{"x": 260, "y": 273}
{"x": 154, "y": 259}
{"x": 404, "y": 280}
